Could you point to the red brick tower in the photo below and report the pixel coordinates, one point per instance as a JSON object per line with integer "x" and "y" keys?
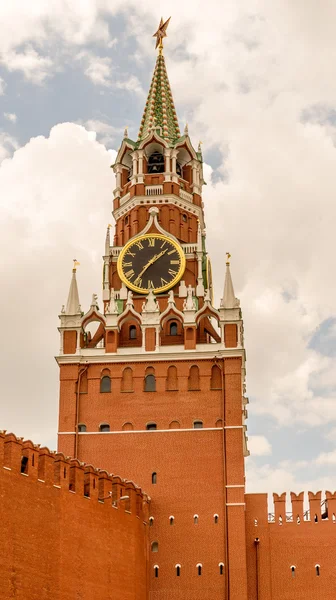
{"x": 157, "y": 392}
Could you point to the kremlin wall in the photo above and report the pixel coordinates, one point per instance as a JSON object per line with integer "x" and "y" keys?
{"x": 66, "y": 530}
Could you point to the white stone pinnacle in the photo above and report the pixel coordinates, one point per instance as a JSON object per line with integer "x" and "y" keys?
{"x": 229, "y": 300}
{"x": 73, "y": 306}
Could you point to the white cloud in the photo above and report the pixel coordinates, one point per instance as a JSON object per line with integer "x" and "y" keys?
{"x": 97, "y": 68}
{"x": 106, "y": 132}
{"x": 326, "y": 458}
{"x": 131, "y": 84}
{"x": 8, "y": 144}
{"x": 46, "y": 220}
{"x": 33, "y": 65}
{"x": 2, "y": 86}
{"x": 12, "y": 117}
{"x": 259, "y": 445}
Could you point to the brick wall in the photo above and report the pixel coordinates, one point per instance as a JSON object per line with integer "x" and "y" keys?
{"x": 62, "y": 544}
{"x": 301, "y": 543}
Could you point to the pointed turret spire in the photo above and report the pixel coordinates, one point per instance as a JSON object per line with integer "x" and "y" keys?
{"x": 160, "y": 110}
{"x": 73, "y": 306}
{"x": 229, "y": 300}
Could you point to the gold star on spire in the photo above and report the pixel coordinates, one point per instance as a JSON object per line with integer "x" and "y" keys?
{"x": 161, "y": 33}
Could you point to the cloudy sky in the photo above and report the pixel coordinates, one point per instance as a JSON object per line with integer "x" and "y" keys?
{"x": 255, "y": 81}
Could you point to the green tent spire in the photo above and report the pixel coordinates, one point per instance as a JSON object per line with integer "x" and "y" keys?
{"x": 160, "y": 110}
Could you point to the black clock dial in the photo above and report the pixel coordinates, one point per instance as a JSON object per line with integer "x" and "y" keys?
{"x": 151, "y": 262}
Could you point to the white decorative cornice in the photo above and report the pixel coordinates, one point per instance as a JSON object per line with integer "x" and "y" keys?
{"x": 166, "y": 353}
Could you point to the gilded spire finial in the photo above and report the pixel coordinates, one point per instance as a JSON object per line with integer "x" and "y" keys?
{"x": 75, "y": 264}
{"x": 161, "y": 33}
{"x": 228, "y": 256}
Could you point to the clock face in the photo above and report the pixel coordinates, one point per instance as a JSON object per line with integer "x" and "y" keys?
{"x": 151, "y": 261}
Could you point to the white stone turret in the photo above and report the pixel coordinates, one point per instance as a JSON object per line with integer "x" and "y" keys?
{"x": 230, "y": 311}
{"x": 71, "y": 316}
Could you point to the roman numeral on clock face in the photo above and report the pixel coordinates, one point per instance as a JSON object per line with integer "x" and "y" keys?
{"x": 129, "y": 273}
{"x": 174, "y": 262}
{"x": 140, "y": 245}
{"x": 127, "y": 264}
{"x": 151, "y": 242}
{"x": 172, "y": 273}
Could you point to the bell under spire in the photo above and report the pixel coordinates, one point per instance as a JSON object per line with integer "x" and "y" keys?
{"x": 159, "y": 109}
{"x": 73, "y": 305}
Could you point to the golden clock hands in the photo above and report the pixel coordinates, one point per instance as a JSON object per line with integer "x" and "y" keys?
{"x": 148, "y": 264}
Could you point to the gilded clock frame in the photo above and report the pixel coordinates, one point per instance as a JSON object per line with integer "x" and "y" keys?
{"x": 163, "y": 288}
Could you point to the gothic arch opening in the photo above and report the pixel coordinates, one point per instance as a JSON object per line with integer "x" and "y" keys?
{"x": 127, "y": 380}
{"x": 216, "y": 378}
{"x": 172, "y": 381}
{"x": 150, "y": 381}
{"x": 194, "y": 378}
{"x": 105, "y": 381}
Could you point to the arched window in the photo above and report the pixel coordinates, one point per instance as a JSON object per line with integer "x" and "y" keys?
{"x": 127, "y": 426}
{"x": 173, "y": 328}
{"x": 293, "y": 570}
{"x": 154, "y": 477}
{"x": 105, "y": 381}
{"x": 216, "y": 378}
{"x": 298, "y": 520}
{"x": 195, "y": 519}
{"x": 199, "y": 569}
{"x": 317, "y": 570}
{"x": 156, "y": 571}
{"x": 155, "y": 546}
{"x": 83, "y": 388}
{"x": 104, "y": 427}
{"x": 156, "y": 163}
{"x": 127, "y": 380}
{"x": 178, "y": 570}
{"x": 221, "y": 568}
{"x": 151, "y": 521}
{"x": 193, "y": 379}
{"x": 151, "y": 426}
{"x": 198, "y": 424}
{"x": 216, "y": 517}
{"x": 24, "y": 465}
{"x": 178, "y": 169}
{"x": 316, "y": 519}
{"x": 280, "y": 520}
{"x": 174, "y": 425}
{"x": 81, "y": 427}
{"x": 172, "y": 381}
{"x": 132, "y": 332}
{"x": 150, "y": 382}
{"x": 171, "y": 520}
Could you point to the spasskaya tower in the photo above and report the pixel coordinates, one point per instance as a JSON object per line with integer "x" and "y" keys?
{"x": 156, "y": 393}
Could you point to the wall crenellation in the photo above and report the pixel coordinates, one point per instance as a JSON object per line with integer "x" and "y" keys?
{"x": 319, "y": 510}
{"x": 39, "y": 464}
